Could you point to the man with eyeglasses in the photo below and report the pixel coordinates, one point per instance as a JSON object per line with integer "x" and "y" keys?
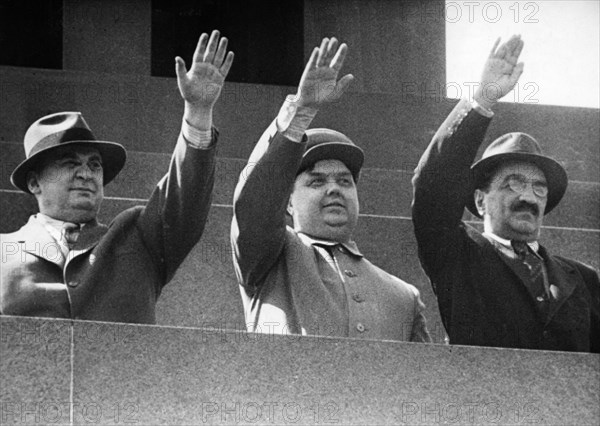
{"x": 499, "y": 287}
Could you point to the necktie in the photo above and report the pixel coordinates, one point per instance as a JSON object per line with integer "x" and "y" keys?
{"x": 70, "y": 233}
{"x": 535, "y": 266}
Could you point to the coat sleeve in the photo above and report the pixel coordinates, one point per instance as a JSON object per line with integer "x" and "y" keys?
{"x": 441, "y": 186}
{"x": 419, "y": 329}
{"x": 590, "y": 277}
{"x": 174, "y": 218}
{"x": 259, "y": 206}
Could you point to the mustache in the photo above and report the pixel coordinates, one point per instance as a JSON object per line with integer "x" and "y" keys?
{"x": 522, "y": 206}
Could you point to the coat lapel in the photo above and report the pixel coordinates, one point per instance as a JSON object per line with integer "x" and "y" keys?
{"x": 561, "y": 275}
{"x": 504, "y": 254}
{"x": 35, "y": 240}
{"x": 89, "y": 237}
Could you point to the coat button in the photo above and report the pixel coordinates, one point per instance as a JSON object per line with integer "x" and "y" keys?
{"x": 360, "y": 327}
{"x": 73, "y": 283}
{"x": 357, "y": 298}
{"x": 350, "y": 273}
{"x": 540, "y": 298}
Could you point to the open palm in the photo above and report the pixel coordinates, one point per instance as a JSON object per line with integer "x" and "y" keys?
{"x": 202, "y": 84}
{"x": 319, "y": 83}
{"x": 501, "y": 71}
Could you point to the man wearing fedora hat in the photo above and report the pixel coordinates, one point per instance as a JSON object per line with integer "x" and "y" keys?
{"x": 499, "y": 287}
{"x": 63, "y": 263}
{"x": 312, "y": 279}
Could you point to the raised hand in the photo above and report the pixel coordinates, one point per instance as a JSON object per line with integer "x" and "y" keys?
{"x": 500, "y": 72}
{"x": 201, "y": 86}
{"x": 319, "y": 83}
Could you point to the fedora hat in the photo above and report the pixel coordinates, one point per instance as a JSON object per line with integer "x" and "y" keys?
{"x": 65, "y": 129}
{"x": 327, "y": 144}
{"x": 518, "y": 147}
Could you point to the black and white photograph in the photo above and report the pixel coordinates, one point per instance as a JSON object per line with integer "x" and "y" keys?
{"x": 300, "y": 212}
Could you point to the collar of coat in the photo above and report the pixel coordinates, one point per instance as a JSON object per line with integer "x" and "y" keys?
{"x": 350, "y": 245}
{"x": 36, "y": 240}
{"x": 535, "y": 246}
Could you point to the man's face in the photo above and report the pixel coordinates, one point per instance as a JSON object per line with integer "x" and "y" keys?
{"x": 324, "y": 202}
{"x": 68, "y": 184}
{"x": 513, "y": 205}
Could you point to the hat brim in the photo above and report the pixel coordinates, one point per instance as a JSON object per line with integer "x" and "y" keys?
{"x": 555, "y": 174}
{"x": 351, "y": 155}
{"x": 113, "y": 156}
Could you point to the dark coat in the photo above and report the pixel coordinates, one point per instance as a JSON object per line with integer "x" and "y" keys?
{"x": 116, "y": 272}
{"x": 482, "y": 301}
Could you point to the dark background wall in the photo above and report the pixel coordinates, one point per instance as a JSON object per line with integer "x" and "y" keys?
{"x": 31, "y": 33}
{"x": 392, "y": 42}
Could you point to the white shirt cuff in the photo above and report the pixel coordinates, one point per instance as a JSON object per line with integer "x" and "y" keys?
{"x": 481, "y": 110}
{"x": 293, "y": 120}
{"x": 196, "y": 138}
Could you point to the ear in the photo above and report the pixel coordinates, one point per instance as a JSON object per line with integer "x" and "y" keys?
{"x": 33, "y": 184}
{"x": 479, "y": 197}
{"x": 289, "y": 209}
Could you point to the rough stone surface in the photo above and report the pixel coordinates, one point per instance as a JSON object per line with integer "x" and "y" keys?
{"x": 125, "y": 373}
{"x": 194, "y": 376}
{"x": 35, "y": 371}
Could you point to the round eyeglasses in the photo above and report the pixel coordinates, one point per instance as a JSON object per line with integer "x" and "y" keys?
{"x": 519, "y": 185}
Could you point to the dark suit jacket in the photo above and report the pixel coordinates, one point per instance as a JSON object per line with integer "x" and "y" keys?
{"x": 115, "y": 272}
{"x": 482, "y": 301}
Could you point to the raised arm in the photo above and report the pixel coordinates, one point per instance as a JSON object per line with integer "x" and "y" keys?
{"x": 265, "y": 184}
{"x": 319, "y": 83}
{"x": 501, "y": 72}
{"x": 441, "y": 180}
{"x": 200, "y": 87}
{"x": 174, "y": 218}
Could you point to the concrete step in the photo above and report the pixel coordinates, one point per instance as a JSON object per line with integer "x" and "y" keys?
{"x": 144, "y": 114}
{"x": 381, "y": 192}
{"x": 80, "y": 372}
{"x": 204, "y": 291}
